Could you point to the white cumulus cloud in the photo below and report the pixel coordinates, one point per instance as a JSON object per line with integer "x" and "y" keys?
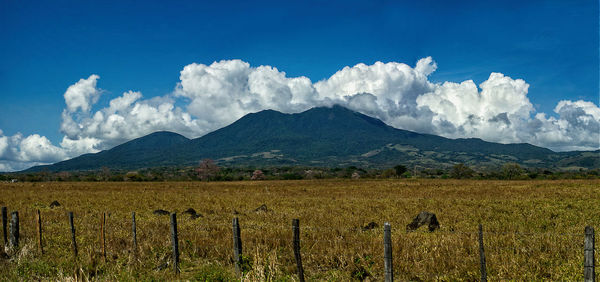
{"x": 215, "y": 95}
{"x": 127, "y": 117}
{"x": 494, "y": 111}
{"x": 82, "y": 94}
{"x": 18, "y": 152}
{"x": 576, "y": 128}
{"x": 224, "y": 91}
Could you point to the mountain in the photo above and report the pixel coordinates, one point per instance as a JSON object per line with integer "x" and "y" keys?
{"x": 321, "y": 136}
{"x": 152, "y": 149}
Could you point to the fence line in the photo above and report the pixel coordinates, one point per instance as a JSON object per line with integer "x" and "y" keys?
{"x": 588, "y": 250}
{"x": 394, "y": 229}
{"x": 359, "y": 229}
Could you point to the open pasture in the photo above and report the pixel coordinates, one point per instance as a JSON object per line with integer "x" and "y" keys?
{"x": 533, "y": 230}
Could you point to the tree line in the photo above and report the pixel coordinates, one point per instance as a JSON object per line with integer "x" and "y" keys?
{"x": 208, "y": 170}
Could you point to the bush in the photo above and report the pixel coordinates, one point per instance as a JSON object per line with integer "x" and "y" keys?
{"x": 461, "y": 171}
{"x": 400, "y": 169}
{"x": 389, "y": 173}
{"x": 292, "y": 176}
{"x": 512, "y": 171}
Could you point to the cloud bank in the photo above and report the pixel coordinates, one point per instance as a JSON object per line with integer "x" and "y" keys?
{"x": 216, "y": 95}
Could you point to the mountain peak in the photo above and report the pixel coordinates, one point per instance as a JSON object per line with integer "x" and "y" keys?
{"x": 164, "y": 133}
{"x": 157, "y": 139}
{"x": 335, "y": 108}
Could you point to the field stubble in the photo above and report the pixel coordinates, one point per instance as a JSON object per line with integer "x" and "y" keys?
{"x": 533, "y": 230}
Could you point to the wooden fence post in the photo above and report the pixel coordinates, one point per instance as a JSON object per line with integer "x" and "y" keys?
{"x": 133, "y": 231}
{"x": 74, "y": 242}
{"x": 103, "y": 235}
{"x": 14, "y": 229}
{"x": 387, "y": 252}
{"x": 482, "y": 255}
{"x": 296, "y": 230}
{"x": 39, "y": 231}
{"x": 237, "y": 247}
{"x": 175, "y": 242}
{"x": 589, "y": 273}
{"x": 5, "y": 224}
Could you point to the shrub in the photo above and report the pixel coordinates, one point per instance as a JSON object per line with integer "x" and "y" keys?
{"x": 389, "y": 173}
{"x": 512, "y": 171}
{"x": 461, "y": 171}
{"x": 400, "y": 169}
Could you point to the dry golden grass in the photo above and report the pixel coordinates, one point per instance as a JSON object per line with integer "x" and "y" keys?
{"x": 533, "y": 229}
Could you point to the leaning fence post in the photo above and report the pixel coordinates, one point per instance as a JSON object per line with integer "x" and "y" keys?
{"x": 387, "y": 252}
{"x": 5, "y": 224}
{"x": 482, "y": 255}
{"x": 14, "y": 229}
{"x": 589, "y": 272}
{"x": 103, "y": 235}
{"x": 175, "y": 242}
{"x": 133, "y": 231}
{"x": 237, "y": 247}
{"x": 74, "y": 242}
{"x": 296, "y": 230}
{"x": 39, "y": 231}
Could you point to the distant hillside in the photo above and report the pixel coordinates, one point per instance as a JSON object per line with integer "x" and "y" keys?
{"x": 321, "y": 136}
{"x": 152, "y": 149}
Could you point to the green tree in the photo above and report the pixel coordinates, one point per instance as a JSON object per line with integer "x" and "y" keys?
{"x": 389, "y": 173}
{"x": 400, "y": 169}
{"x": 512, "y": 171}
{"x": 461, "y": 171}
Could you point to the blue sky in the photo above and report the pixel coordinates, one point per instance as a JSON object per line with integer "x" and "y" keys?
{"x": 48, "y": 46}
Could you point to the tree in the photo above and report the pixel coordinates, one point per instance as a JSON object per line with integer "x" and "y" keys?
{"x": 258, "y": 175}
{"x": 105, "y": 173}
{"x": 133, "y": 176}
{"x": 511, "y": 171}
{"x": 207, "y": 170}
{"x": 400, "y": 169}
{"x": 389, "y": 173}
{"x": 460, "y": 171}
{"x": 64, "y": 176}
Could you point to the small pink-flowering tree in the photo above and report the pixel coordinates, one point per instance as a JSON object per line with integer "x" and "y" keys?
{"x": 258, "y": 175}
{"x": 207, "y": 170}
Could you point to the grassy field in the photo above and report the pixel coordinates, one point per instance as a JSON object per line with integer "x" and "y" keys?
{"x": 533, "y": 229}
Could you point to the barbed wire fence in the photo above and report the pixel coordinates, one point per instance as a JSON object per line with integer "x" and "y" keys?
{"x": 11, "y": 235}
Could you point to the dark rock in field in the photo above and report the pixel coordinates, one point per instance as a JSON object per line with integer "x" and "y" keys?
{"x": 161, "y": 212}
{"x": 371, "y": 225}
{"x": 190, "y": 211}
{"x": 424, "y": 218}
{"x": 262, "y": 208}
{"x": 54, "y": 204}
{"x": 193, "y": 214}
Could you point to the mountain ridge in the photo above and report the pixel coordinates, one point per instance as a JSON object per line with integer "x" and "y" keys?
{"x": 321, "y": 136}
